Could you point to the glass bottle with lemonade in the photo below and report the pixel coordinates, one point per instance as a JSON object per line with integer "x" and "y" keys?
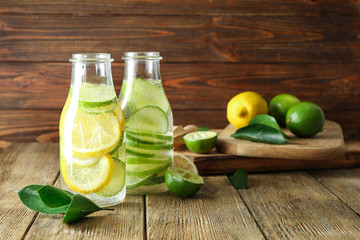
{"x": 149, "y": 124}
{"x": 92, "y": 132}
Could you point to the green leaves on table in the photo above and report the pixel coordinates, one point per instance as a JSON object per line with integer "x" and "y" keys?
{"x": 239, "y": 179}
{"x": 53, "y": 200}
{"x": 262, "y": 128}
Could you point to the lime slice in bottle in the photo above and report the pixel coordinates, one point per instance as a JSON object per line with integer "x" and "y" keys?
{"x": 200, "y": 141}
{"x": 135, "y": 181}
{"x": 96, "y": 95}
{"x": 149, "y": 136}
{"x": 183, "y": 183}
{"x": 145, "y": 169}
{"x": 145, "y": 160}
{"x": 148, "y": 119}
{"x": 117, "y": 182}
{"x": 147, "y": 92}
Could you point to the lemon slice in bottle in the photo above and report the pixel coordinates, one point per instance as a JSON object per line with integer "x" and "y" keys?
{"x": 94, "y": 135}
{"x": 89, "y": 179}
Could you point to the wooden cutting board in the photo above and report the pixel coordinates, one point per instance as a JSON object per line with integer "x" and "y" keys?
{"x": 328, "y": 144}
{"x": 326, "y": 150}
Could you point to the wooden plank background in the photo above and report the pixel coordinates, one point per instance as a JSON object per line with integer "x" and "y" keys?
{"x": 212, "y": 50}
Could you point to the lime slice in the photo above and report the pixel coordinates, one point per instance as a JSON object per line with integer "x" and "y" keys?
{"x": 150, "y": 136}
{"x": 142, "y": 160}
{"x": 89, "y": 179}
{"x": 117, "y": 182}
{"x": 153, "y": 146}
{"x": 84, "y": 162}
{"x": 96, "y": 95}
{"x": 183, "y": 183}
{"x": 200, "y": 141}
{"x": 147, "y": 92}
{"x": 145, "y": 169}
{"x": 145, "y": 140}
{"x": 94, "y": 135}
{"x": 155, "y": 179}
{"x": 98, "y": 110}
{"x": 148, "y": 119}
{"x": 139, "y": 152}
{"x": 184, "y": 162}
{"x": 135, "y": 181}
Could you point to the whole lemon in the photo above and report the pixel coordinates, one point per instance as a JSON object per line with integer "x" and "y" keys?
{"x": 305, "y": 119}
{"x": 244, "y": 106}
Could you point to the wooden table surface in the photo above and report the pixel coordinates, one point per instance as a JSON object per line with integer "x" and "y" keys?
{"x": 321, "y": 204}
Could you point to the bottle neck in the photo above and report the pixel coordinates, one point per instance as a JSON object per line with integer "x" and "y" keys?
{"x": 148, "y": 70}
{"x": 92, "y": 68}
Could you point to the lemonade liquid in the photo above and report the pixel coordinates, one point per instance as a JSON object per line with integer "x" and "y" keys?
{"x": 92, "y": 133}
{"x": 149, "y": 124}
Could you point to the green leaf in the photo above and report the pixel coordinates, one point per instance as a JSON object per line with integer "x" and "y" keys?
{"x": 265, "y": 120}
{"x": 55, "y": 197}
{"x": 268, "y": 121}
{"x": 239, "y": 179}
{"x": 31, "y": 199}
{"x": 260, "y": 133}
{"x": 80, "y": 207}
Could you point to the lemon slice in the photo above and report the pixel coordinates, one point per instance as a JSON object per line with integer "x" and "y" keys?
{"x": 89, "y": 179}
{"x": 184, "y": 162}
{"x": 94, "y": 135}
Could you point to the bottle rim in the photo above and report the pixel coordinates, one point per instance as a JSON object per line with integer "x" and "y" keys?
{"x": 81, "y": 57}
{"x": 141, "y": 56}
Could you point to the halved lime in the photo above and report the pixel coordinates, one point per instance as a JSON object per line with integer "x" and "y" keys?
{"x": 148, "y": 92}
{"x": 117, "y": 181}
{"x": 183, "y": 183}
{"x": 148, "y": 119}
{"x": 145, "y": 169}
{"x": 200, "y": 141}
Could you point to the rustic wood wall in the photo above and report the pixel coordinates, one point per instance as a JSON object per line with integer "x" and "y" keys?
{"x": 212, "y": 50}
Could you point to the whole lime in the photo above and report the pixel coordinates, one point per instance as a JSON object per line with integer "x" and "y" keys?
{"x": 279, "y": 106}
{"x": 305, "y": 119}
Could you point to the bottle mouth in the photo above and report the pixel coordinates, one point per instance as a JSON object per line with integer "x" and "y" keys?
{"x": 141, "y": 56}
{"x": 81, "y": 57}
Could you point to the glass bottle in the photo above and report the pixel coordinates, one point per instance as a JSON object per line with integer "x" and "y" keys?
{"x": 149, "y": 124}
{"x": 92, "y": 130}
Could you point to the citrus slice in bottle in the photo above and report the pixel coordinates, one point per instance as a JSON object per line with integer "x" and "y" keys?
{"x": 148, "y": 93}
{"x": 94, "y": 135}
{"x": 200, "y": 141}
{"x": 135, "y": 181}
{"x": 117, "y": 182}
{"x": 96, "y": 95}
{"x": 184, "y": 162}
{"x": 148, "y": 119}
{"x": 89, "y": 179}
{"x": 183, "y": 183}
{"x": 145, "y": 169}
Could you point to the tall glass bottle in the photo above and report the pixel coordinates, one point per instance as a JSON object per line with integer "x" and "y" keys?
{"x": 92, "y": 130}
{"x": 149, "y": 124}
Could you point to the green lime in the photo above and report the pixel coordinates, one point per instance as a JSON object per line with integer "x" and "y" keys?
{"x": 96, "y": 95}
{"x": 117, "y": 182}
{"x": 200, "y": 141}
{"x": 279, "y": 106}
{"x": 135, "y": 181}
{"x": 183, "y": 183}
{"x": 305, "y": 119}
{"x": 149, "y": 119}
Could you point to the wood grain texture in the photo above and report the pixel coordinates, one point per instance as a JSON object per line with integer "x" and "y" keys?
{"x": 185, "y": 7}
{"x": 192, "y": 85}
{"x": 216, "y": 212}
{"x": 344, "y": 183}
{"x": 283, "y": 210}
{"x": 22, "y": 165}
{"x": 323, "y": 146}
{"x": 245, "y": 39}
